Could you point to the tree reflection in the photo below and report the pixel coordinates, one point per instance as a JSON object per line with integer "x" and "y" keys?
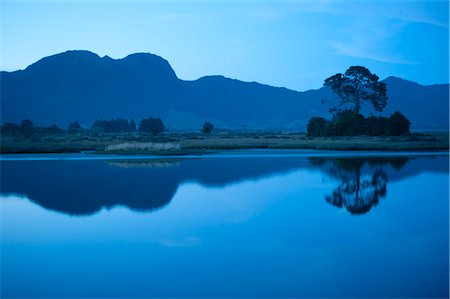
{"x": 359, "y": 194}
{"x": 363, "y": 181}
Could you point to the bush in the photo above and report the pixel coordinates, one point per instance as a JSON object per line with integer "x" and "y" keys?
{"x": 26, "y": 126}
{"x": 376, "y": 126}
{"x": 53, "y": 129}
{"x": 118, "y": 125}
{"x": 207, "y": 127}
{"x": 351, "y": 123}
{"x": 74, "y": 125}
{"x": 151, "y": 125}
{"x": 10, "y": 128}
{"x": 318, "y": 126}
{"x": 398, "y": 125}
{"x": 347, "y": 123}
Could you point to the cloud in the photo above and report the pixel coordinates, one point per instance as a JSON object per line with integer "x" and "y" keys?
{"x": 355, "y": 50}
{"x": 375, "y": 28}
{"x": 428, "y": 12}
{"x": 373, "y": 39}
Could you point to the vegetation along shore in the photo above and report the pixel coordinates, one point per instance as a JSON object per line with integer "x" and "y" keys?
{"x": 197, "y": 143}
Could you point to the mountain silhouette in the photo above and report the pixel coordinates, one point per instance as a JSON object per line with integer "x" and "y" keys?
{"x": 80, "y": 85}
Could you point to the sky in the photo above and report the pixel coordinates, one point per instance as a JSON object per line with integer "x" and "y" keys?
{"x": 293, "y": 44}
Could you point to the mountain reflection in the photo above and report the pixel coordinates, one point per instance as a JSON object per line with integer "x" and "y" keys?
{"x": 87, "y": 186}
{"x": 363, "y": 181}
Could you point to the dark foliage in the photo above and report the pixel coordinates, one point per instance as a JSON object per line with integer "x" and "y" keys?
{"x": 398, "y": 124}
{"x": 53, "y": 129}
{"x": 318, "y": 126}
{"x": 74, "y": 125}
{"x": 351, "y": 123}
{"x": 151, "y": 125}
{"x": 26, "y": 126}
{"x": 118, "y": 125}
{"x": 347, "y": 123}
{"x": 207, "y": 127}
{"x": 10, "y": 128}
{"x": 376, "y": 126}
{"x": 356, "y": 86}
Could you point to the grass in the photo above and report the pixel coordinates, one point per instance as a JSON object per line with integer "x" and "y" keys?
{"x": 198, "y": 143}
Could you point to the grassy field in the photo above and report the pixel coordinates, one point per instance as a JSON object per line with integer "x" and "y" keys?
{"x": 197, "y": 143}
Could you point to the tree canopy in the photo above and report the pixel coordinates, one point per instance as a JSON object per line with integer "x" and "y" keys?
{"x": 352, "y": 123}
{"x": 207, "y": 127}
{"x": 357, "y": 85}
{"x": 115, "y": 125}
{"x": 151, "y": 125}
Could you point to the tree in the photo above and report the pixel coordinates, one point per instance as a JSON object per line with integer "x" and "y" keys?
{"x": 347, "y": 123}
{"x": 10, "y": 128}
{"x": 398, "y": 124}
{"x": 318, "y": 126}
{"x": 118, "y": 125}
{"x": 74, "y": 125}
{"x": 376, "y": 126}
{"x": 53, "y": 129}
{"x": 132, "y": 126}
{"x": 207, "y": 127}
{"x": 151, "y": 125}
{"x": 356, "y": 86}
{"x": 26, "y": 126}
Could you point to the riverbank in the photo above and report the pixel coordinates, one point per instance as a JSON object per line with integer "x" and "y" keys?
{"x": 197, "y": 143}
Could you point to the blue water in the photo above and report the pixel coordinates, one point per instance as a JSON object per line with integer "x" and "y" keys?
{"x": 239, "y": 225}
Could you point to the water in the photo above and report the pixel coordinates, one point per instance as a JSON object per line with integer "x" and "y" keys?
{"x": 231, "y": 225}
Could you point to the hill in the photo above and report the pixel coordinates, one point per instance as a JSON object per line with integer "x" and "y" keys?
{"x": 80, "y": 85}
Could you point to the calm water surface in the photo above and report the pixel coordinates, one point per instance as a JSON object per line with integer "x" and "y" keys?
{"x": 225, "y": 226}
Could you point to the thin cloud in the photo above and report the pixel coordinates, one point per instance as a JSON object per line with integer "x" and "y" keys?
{"x": 372, "y": 38}
{"x": 354, "y": 50}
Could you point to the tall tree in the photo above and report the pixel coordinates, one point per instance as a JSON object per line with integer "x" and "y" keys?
{"x": 357, "y": 85}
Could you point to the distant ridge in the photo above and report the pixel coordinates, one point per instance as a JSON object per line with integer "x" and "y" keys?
{"x": 80, "y": 85}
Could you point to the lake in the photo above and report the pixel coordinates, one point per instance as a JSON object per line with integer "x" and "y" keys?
{"x": 239, "y": 224}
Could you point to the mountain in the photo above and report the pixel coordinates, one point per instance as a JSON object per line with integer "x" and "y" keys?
{"x": 80, "y": 85}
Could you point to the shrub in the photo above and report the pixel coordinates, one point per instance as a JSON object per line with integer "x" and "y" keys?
{"x": 53, "y": 129}
{"x": 26, "y": 126}
{"x": 376, "y": 126}
{"x": 114, "y": 125}
{"x": 347, "y": 123}
{"x": 398, "y": 125}
{"x": 318, "y": 126}
{"x": 10, "y": 128}
{"x": 207, "y": 127}
{"x": 74, "y": 125}
{"x": 351, "y": 123}
{"x": 151, "y": 125}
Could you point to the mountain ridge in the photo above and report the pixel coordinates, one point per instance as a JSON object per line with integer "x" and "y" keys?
{"x": 81, "y": 85}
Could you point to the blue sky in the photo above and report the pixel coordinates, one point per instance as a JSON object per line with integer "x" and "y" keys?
{"x": 295, "y": 44}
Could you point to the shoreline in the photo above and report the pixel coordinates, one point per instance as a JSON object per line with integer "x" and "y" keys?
{"x": 201, "y": 144}
{"x": 246, "y": 153}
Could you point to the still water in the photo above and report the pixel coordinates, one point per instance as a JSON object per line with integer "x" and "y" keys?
{"x": 242, "y": 225}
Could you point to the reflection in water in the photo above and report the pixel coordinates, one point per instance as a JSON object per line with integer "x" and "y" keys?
{"x": 86, "y": 187}
{"x": 359, "y": 194}
{"x": 271, "y": 235}
{"x": 363, "y": 181}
